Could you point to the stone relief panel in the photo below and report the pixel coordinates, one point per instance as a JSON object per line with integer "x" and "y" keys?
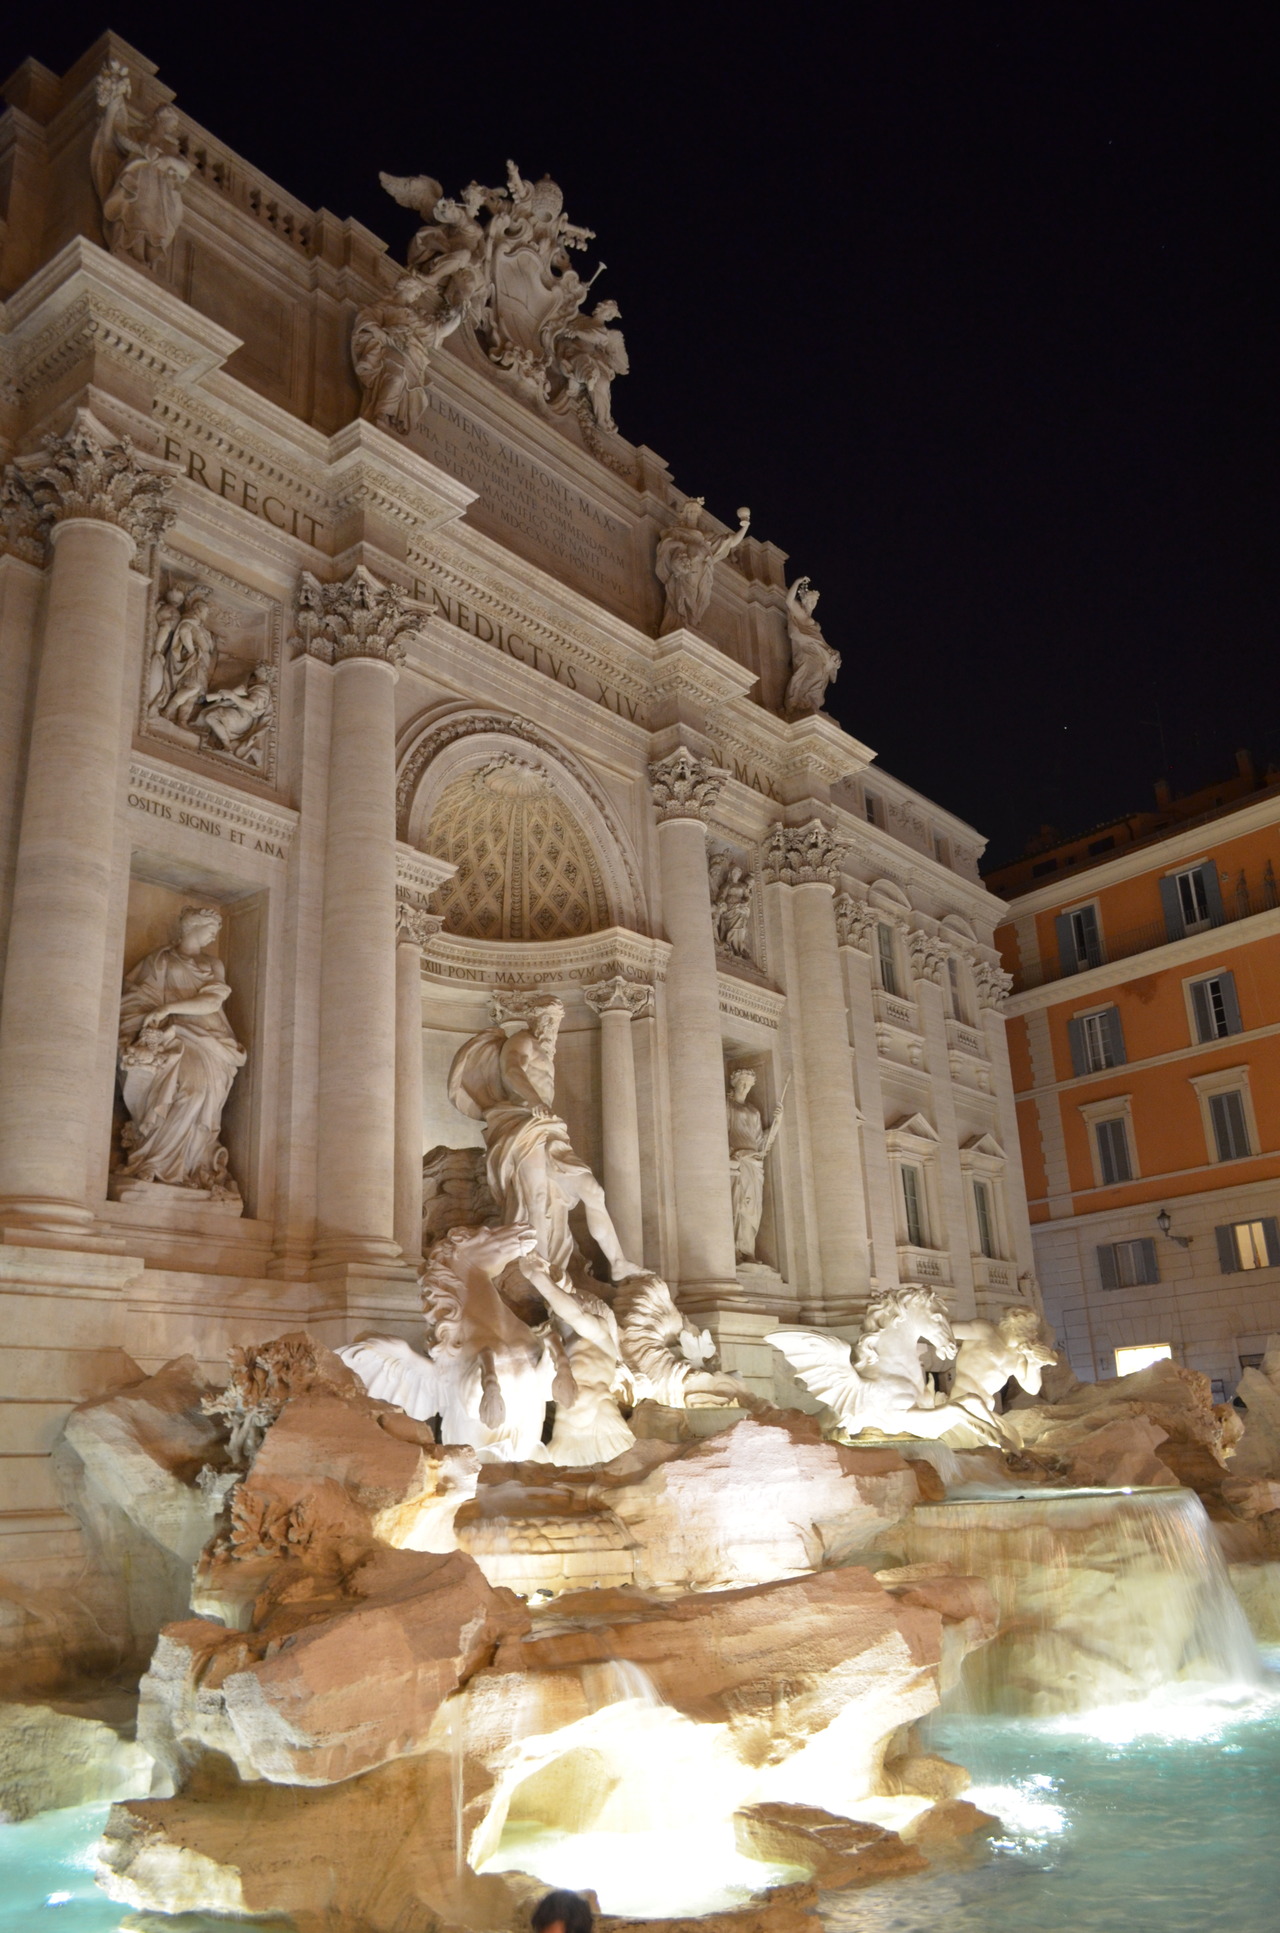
{"x": 526, "y": 868}
{"x": 211, "y": 671}
{"x": 734, "y": 913}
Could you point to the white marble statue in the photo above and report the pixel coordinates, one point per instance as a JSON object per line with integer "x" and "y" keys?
{"x": 884, "y": 1386}
{"x": 586, "y": 356}
{"x": 507, "y": 1082}
{"x": 178, "y": 1058}
{"x": 237, "y": 718}
{"x": 670, "y": 1361}
{"x": 184, "y": 652}
{"x": 990, "y": 1353}
{"x": 749, "y": 1144}
{"x": 814, "y": 662}
{"x": 487, "y": 1374}
{"x": 730, "y": 904}
{"x": 138, "y": 172}
{"x": 686, "y": 561}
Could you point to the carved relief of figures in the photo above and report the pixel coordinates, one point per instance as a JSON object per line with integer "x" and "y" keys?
{"x": 749, "y": 1144}
{"x": 685, "y": 564}
{"x": 232, "y": 721}
{"x": 138, "y": 172}
{"x": 178, "y": 1058}
{"x": 507, "y": 1082}
{"x": 730, "y": 904}
{"x": 814, "y": 662}
{"x": 498, "y": 258}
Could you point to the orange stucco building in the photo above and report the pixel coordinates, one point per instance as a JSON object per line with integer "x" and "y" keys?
{"x": 1144, "y": 1034}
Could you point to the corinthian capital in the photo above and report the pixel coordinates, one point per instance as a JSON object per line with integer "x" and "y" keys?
{"x": 928, "y": 956}
{"x": 414, "y": 925}
{"x": 359, "y": 618}
{"x": 82, "y": 474}
{"x": 620, "y": 995}
{"x": 992, "y": 984}
{"x": 684, "y": 786}
{"x": 855, "y": 920}
{"x": 802, "y": 855}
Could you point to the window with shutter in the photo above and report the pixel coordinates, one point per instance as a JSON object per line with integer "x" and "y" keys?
{"x": 1107, "y": 1265}
{"x": 1249, "y": 1245}
{"x": 1113, "y": 1152}
{"x": 982, "y": 1208}
{"x": 1215, "y": 1007}
{"x": 1230, "y": 1128}
{"x": 1079, "y": 939}
{"x": 1128, "y": 1265}
{"x": 1097, "y": 1041}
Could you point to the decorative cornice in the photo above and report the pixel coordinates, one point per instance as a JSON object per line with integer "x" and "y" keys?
{"x": 801, "y": 855}
{"x": 745, "y": 1001}
{"x": 685, "y": 786}
{"x": 85, "y": 475}
{"x": 274, "y": 824}
{"x": 516, "y": 1003}
{"x": 620, "y": 995}
{"x": 545, "y": 965}
{"x": 359, "y": 618}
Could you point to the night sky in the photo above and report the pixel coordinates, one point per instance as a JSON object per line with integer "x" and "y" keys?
{"x": 975, "y": 306}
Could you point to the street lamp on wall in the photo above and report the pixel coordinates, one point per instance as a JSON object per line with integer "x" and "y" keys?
{"x": 1164, "y": 1222}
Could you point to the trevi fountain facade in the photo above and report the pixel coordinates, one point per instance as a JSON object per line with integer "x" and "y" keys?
{"x": 521, "y": 1356}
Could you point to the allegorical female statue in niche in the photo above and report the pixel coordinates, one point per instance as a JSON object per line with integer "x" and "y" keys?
{"x": 749, "y": 1144}
{"x": 178, "y": 1058}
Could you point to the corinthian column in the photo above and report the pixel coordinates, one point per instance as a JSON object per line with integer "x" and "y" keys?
{"x": 685, "y": 789}
{"x": 95, "y": 503}
{"x": 360, "y": 628}
{"x": 414, "y": 928}
{"x": 618, "y": 1002}
{"x": 804, "y": 860}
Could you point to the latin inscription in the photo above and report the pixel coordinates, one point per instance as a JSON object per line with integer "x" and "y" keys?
{"x": 477, "y": 624}
{"x": 234, "y": 488}
{"x": 527, "y": 500}
{"x": 212, "y": 828}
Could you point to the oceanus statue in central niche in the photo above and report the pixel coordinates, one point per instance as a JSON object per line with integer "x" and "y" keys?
{"x": 883, "y": 1386}
{"x": 508, "y": 1082}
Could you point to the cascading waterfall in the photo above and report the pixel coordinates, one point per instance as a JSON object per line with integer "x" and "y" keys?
{"x": 1104, "y": 1596}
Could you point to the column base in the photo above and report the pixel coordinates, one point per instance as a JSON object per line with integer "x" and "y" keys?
{"x": 53, "y": 1214}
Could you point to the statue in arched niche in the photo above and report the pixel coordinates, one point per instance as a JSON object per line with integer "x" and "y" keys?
{"x": 507, "y": 1082}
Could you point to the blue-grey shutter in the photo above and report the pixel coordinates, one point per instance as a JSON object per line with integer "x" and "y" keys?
{"x": 1150, "y": 1268}
{"x": 1066, "y": 944}
{"x": 1107, "y": 1266}
{"x": 1172, "y": 909}
{"x": 1115, "y": 1036}
{"x": 1271, "y": 1229}
{"x": 1202, "y": 1011}
{"x": 1079, "y": 1057}
{"x": 1230, "y": 1005}
{"x": 1212, "y": 891}
{"x": 1088, "y": 915}
{"x": 1228, "y": 1259}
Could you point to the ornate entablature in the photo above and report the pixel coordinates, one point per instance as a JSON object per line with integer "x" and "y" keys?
{"x": 540, "y": 967}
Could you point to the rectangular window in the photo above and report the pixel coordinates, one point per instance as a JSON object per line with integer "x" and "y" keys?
{"x": 1230, "y": 1128}
{"x": 1113, "y": 1152}
{"x": 959, "y": 1005}
{"x": 1193, "y": 900}
{"x": 872, "y": 808}
{"x": 1215, "y": 1007}
{"x": 1130, "y": 1361}
{"x": 1097, "y": 1041}
{"x": 986, "y": 1232}
{"x": 1249, "y": 1245}
{"x": 1079, "y": 939}
{"x": 888, "y": 963}
{"x": 913, "y": 1202}
{"x": 1127, "y": 1265}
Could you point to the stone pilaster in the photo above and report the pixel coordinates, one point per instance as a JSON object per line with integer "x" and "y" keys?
{"x": 360, "y": 628}
{"x": 685, "y": 789}
{"x": 801, "y": 864}
{"x": 94, "y": 503}
{"x": 618, "y": 1002}
{"x": 855, "y": 930}
{"x": 928, "y": 958}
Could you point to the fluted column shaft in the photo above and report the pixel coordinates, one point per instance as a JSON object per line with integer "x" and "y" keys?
{"x": 408, "y": 1181}
{"x": 700, "y": 1142}
{"x": 52, "y": 1008}
{"x": 618, "y": 1002}
{"x": 356, "y": 1156}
